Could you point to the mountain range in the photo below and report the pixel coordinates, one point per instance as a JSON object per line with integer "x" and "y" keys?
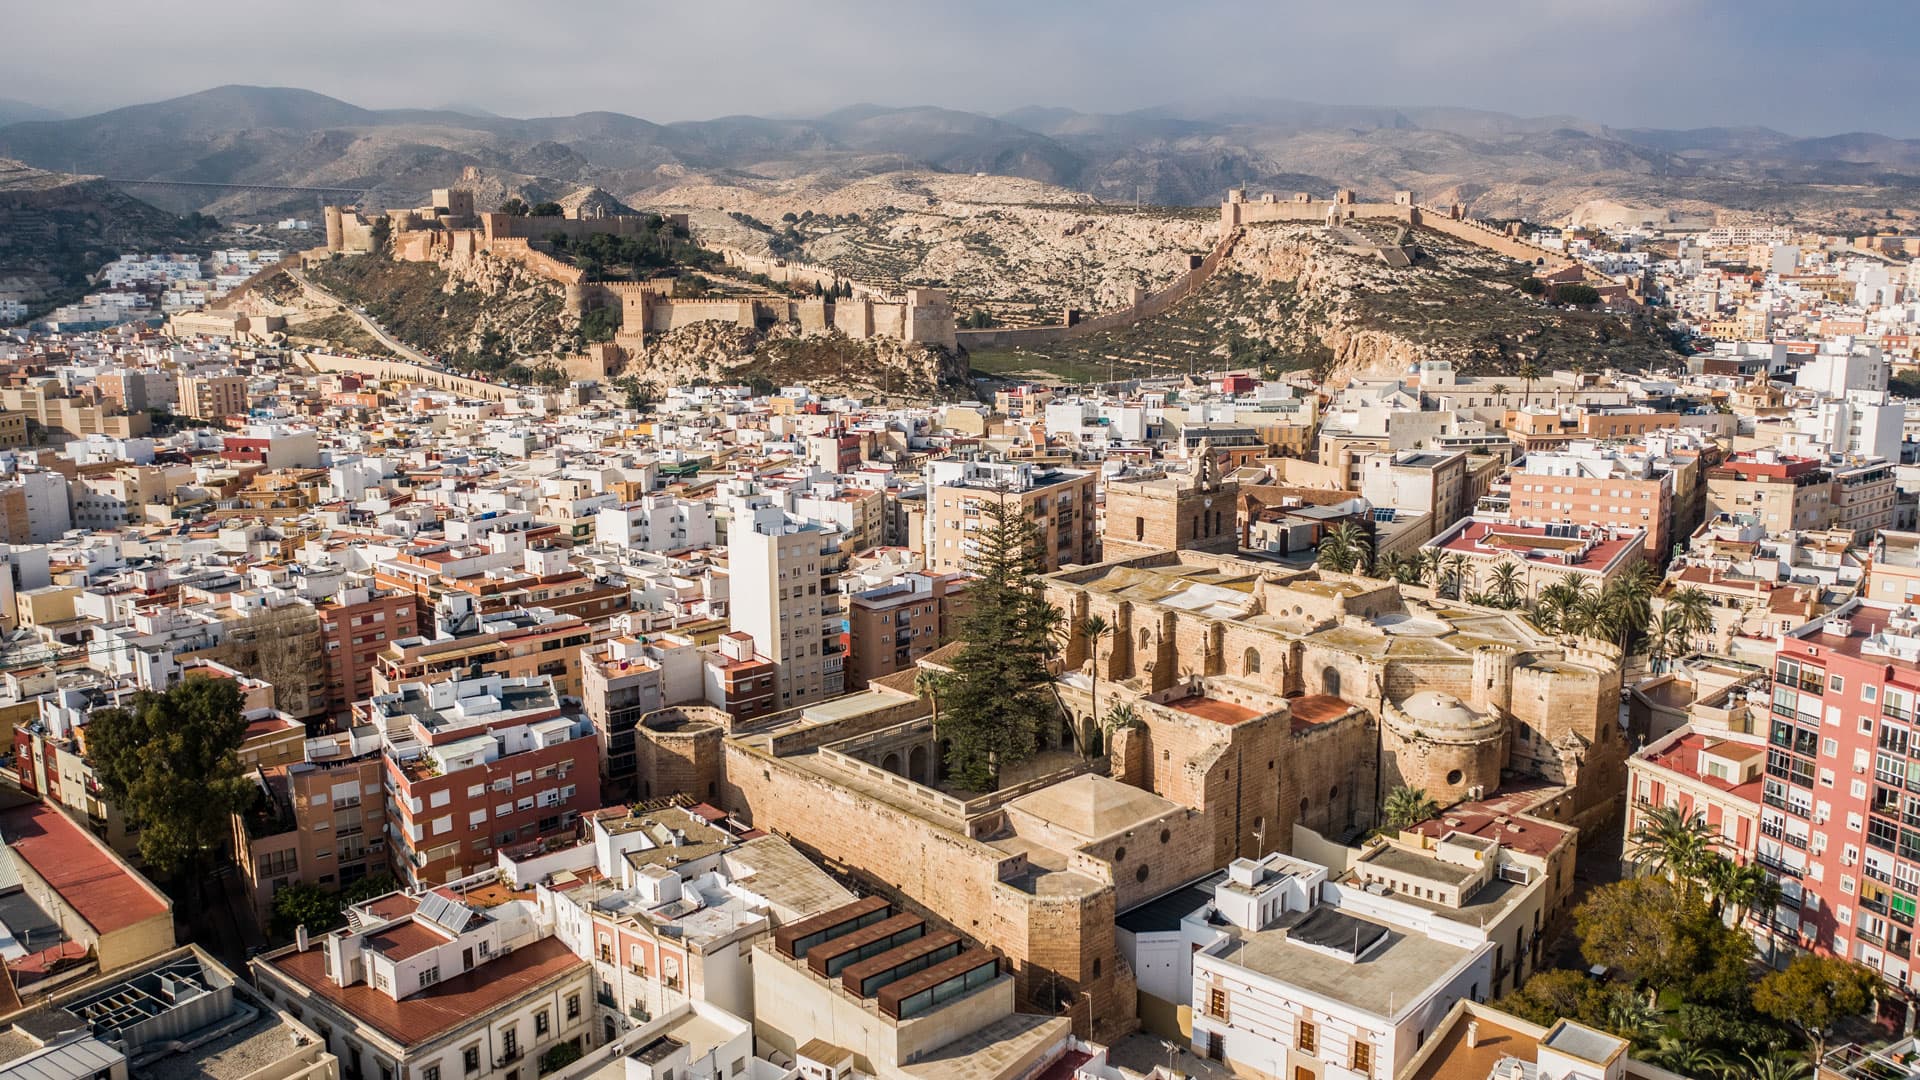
{"x": 1498, "y": 164}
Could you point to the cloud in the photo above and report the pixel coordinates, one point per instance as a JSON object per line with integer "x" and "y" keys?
{"x": 1666, "y": 63}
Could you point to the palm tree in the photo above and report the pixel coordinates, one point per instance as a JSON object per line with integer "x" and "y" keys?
{"x": 1557, "y": 607}
{"x": 1632, "y": 1019}
{"x": 1345, "y": 549}
{"x": 1666, "y": 637}
{"x": 1405, "y": 807}
{"x": 1771, "y": 1067}
{"x": 1687, "y": 1059}
{"x": 1674, "y": 845}
{"x": 1696, "y": 611}
{"x": 1506, "y": 585}
{"x": 928, "y": 683}
{"x": 1453, "y": 570}
{"x": 1094, "y": 629}
{"x": 1529, "y": 371}
{"x": 1629, "y": 600}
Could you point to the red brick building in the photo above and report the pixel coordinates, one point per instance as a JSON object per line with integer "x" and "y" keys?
{"x": 479, "y": 764}
{"x": 356, "y": 625}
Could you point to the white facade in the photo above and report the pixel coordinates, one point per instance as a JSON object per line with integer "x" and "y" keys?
{"x": 660, "y": 523}
{"x": 774, "y": 564}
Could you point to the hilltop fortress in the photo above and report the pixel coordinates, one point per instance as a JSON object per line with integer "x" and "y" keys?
{"x": 450, "y": 230}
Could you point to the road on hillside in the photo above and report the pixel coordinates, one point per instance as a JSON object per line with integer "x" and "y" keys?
{"x": 379, "y": 333}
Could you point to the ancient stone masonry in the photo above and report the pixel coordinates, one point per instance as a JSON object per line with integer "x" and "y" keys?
{"x": 1452, "y": 696}
{"x": 450, "y": 231}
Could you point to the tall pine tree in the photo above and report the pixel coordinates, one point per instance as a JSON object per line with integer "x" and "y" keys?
{"x": 999, "y": 697}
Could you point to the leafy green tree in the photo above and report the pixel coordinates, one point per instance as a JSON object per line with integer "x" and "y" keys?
{"x": 1639, "y": 926}
{"x": 367, "y": 888}
{"x": 1577, "y": 294}
{"x": 514, "y": 207}
{"x": 1405, "y": 807}
{"x": 998, "y": 696}
{"x": 1814, "y": 994}
{"x": 547, "y": 209}
{"x": 301, "y": 904}
{"x": 169, "y": 761}
{"x": 1533, "y": 286}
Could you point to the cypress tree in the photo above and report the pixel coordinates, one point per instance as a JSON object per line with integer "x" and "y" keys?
{"x": 999, "y": 694}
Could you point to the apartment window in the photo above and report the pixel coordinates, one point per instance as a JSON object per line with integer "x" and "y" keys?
{"x": 1362, "y": 1057}
{"x": 1306, "y": 1038}
{"x": 573, "y": 1006}
{"x": 429, "y": 976}
{"x": 541, "y": 1023}
{"x": 430, "y": 1072}
{"x": 470, "y": 1057}
{"x": 1217, "y": 1003}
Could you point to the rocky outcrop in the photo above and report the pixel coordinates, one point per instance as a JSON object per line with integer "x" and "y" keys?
{"x": 781, "y": 355}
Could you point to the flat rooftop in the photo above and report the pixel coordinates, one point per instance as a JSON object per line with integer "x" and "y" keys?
{"x": 1383, "y": 983}
{"x": 1214, "y": 709}
{"x": 1421, "y": 866}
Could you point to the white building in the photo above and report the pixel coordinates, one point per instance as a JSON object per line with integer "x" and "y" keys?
{"x": 1297, "y": 985}
{"x": 662, "y": 523}
{"x": 459, "y": 982}
{"x": 775, "y": 567}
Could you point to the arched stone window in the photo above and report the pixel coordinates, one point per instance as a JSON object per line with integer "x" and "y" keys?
{"x": 1250, "y": 662}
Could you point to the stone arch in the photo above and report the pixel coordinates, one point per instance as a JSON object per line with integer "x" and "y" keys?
{"x": 891, "y": 763}
{"x": 1250, "y": 661}
{"x": 917, "y": 765}
{"x": 1330, "y": 680}
{"x": 1145, "y": 640}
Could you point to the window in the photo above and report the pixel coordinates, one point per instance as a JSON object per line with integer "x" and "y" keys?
{"x": 429, "y": 976}
{"x": 573, "y": 1006}
{"x": 541, "y": 1023}
{"x": 1306, "y": 1037}
{"x": 470, "y": 1057}
{"x": 1362, "y": 1057}
{"x": 1217, "y": 1003}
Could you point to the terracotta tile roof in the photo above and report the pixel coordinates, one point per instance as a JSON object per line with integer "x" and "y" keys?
{"x": 105, "y": 893}
{"x": 446, "y": 1005}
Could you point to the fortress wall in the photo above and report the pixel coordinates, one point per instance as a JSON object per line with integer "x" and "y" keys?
{"x": 667, "y": 313}
{"x": 502, "y": 226}
{"x": 1150, "y": 305}
{"x": 890, "y": 320}
{"x": 404, "y": 371}
{"x": 517, "y": 249}
{"x": 854, "y": 318}
{"x": 1473, "y": 232}
{"x": 1048, "y": 941}
{"x": 779, "y": 270}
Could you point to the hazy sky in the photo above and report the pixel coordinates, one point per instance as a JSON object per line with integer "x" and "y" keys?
{"x": 1803, "y": 67}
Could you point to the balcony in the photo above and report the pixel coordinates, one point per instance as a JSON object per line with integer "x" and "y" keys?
{"x": 1775, "y": 864}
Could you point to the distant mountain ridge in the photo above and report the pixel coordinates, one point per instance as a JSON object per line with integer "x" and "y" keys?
{"x": 1178, "y": 153}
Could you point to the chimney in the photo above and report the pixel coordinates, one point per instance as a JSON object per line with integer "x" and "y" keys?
{"x": 1473, "y": 1034}
{"x": 300, "y": 938}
